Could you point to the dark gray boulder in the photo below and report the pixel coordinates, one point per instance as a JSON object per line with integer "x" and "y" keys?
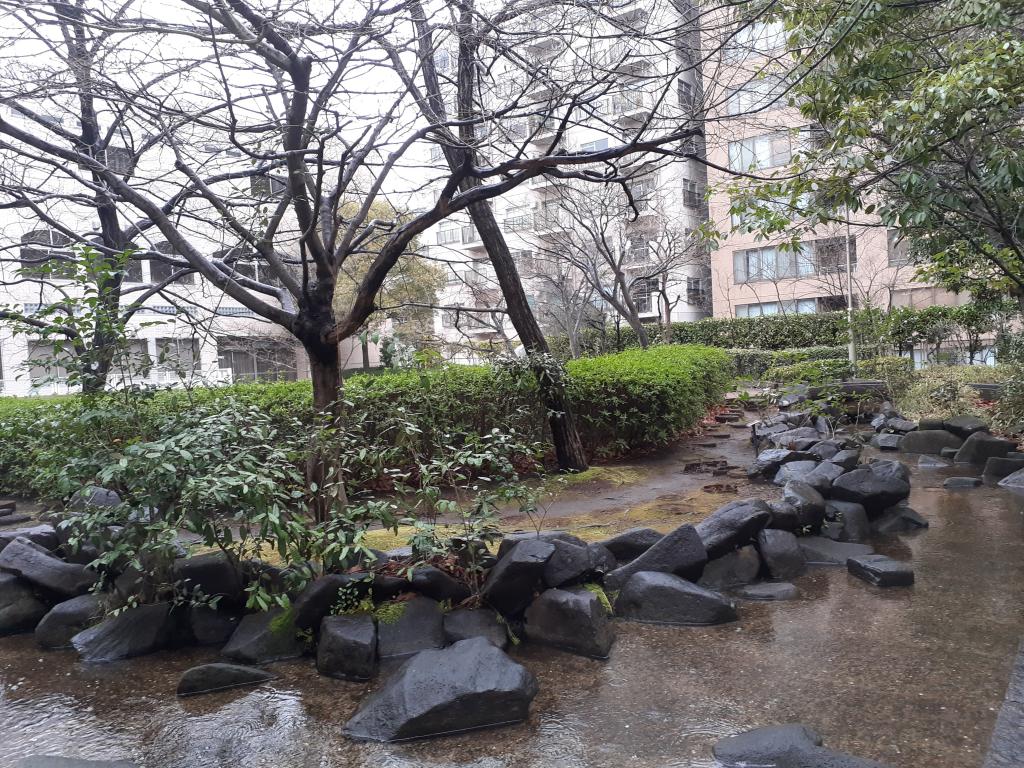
{"x": 929, "y": 441}
{"x": 680, "y": 552}
{"x": 662, "y": 598}
{"x": 208, "y": 678}
{"x": 931, "y": 422}
{"x": 781, "y": 553}
{"x": 602, "y": 561}
{"x": 732, "y": 526}
{"x": 1016, "y": 480}
{"x": 785, "y": 516}
{"x": 890, "y": 469}
{"x": 961, "y": 482}
{"x": 571, "y": 619}
{"x": 799, "y": 439}
{"x": 385, "y": 587}
{"x": 848, "y": 522}
{"x": 265, "y": 637}
{"x": 822, "y": 476}
{"x": 808, "y": 503}
{"x": 67, "y": 619}
{"x": 887, "y": 441}
{"x": 821, "y": 551}
{"x": 464, "y": 623}
{"x": 347, "y": 647}
{"x": 794, "y": 470}
{"x": 996, "y": 468}
{"x": 825, "y": 450}
{"x": 317, "y": 599}
{"x": 949, "y": 453}
{"x": 93, "y": 496}
{"x": 43, "y": 535}
{"x": 741, "y": 566}
{"x": 510, "y": 585}
{"x": 847, "y": 459}
{"x": 569, "y": 564}
{"x": 211, "y": 575}
{"x": 874, "y": 490}
{"x": 767, "y": 591}
{"x": 209, "y": 626}
{"x": 437, "y": 585}
{"x": 898, "y": 519}
{"x": 881, "y": 571}
{"x": 509, "y": 540}
{"x": 464, "y": 687}
{"x": 133, "y": 632}
{"x": 632, "y": 543}
{"x": 45, "y": 570}
{"x": 965, "y": 426}
{"x": 418, "y": 626}
{"x": 900, "y": 425}
{"x": 20, "y": 608}
{"x": 769, "y": 461}
{"x": 783, "y": 746}
{"x": 981, "y": 446}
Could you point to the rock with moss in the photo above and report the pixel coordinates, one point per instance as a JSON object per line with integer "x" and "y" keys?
{"x": 265, "y": 637}
{"x": 571, "y": 619}
{"x": 408, "y": 627}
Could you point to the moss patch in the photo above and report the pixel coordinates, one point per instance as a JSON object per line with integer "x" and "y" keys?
{"x": 602, "y": 596}
{"x": 389, "y": 613}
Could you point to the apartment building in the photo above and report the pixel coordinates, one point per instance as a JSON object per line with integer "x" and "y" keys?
{"x": 751, "y": 129}
{"x": 189, "y": 332}
{"x": 560, "y": 231}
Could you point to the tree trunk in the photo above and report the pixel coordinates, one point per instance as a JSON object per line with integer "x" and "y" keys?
{"x": 364, "y": 345}
{"x": 568, "y": 446}
{"x": 323, "y": 482}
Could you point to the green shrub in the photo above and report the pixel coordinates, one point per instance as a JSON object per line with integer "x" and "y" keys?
{"x": 803, "y": 354}
{"x": 895, "y": 371}
{"x": 944, "y": 390}
{"x": 639, "y": 399}
{"x": 752, "y": 363}
{"x": 809, "y": 372}
{"x": 627, "y": 401}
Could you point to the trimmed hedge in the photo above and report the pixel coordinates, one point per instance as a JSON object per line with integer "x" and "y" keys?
{"x": 752, "y": 363}
{"x": 810, "y": 372}
{"x": 624, "y": 402}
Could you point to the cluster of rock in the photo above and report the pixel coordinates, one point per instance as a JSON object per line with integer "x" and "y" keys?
{"x": 961, "y": 442}
{"x": 832, "y": 500}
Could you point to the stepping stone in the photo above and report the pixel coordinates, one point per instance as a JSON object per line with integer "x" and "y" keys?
{"x": 899, "y": 519}
{"x": 208, "y": 678}
{"x": 962, "y": 482}
{"x": 767, "y": 591}
{"x": 933, "y": 462}
{"x": 1016, "y": 480}
{"x": 783, "y": 746}
{"x": 821, "y": 551}
{"x": 949, "y": 453}
{"x": 881, "y": 571}
{"x": 10, "y": 519}
{"x": 1000, "y": 467}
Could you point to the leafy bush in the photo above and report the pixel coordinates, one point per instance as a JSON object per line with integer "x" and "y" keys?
{"x": 895, "y": 371}
{"x": 803, "y": 354}
{"x": 639, "y": 399}
{"x": 810, "y": 372}
{"x": 944, "y": 390}
{"x": 752, "y": 363}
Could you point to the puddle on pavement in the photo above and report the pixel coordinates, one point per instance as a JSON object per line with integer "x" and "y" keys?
{"x": 911, "y": 677}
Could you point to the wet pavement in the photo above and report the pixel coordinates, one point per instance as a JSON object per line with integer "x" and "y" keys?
{"x": 914, "y": 677}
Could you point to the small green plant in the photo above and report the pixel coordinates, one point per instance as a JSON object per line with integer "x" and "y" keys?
{"x": 390, "y": 612}
{"x": 602, "y": 596}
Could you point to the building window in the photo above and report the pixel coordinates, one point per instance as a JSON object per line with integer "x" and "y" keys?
{"x": 120, "y": 160}
{"x": 642, "y": 190}
{"x": 771, "y": 263}
{"x": 524, "y": 260}
{"x": 449, "y": 235}
{"x": 594, "y": 146}
{"x": 696, "y": 291}
{"x": 768, "y": 150}
{"x": 643, "y": 292}
{"x": 45, "y": 253}
{"x": 265, "y": 186}
{"x": 797, "y": 306}
{"x": 686, "y": 93}
{"x": 830, "y": 254}
{"x": 638, "y": 250}
{"x": 177, "y": 355}
{"x": 161, "y": 270}
{"x": 756, "y": 37}
{"x": 436, "y": 153}
{"x": 693, "y": 194}
{"x": 253, "y": 359}
{"x": 898, "y": 249}
{"x": 754, "y": 95}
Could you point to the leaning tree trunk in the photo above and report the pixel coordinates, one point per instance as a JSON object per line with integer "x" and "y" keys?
{"x": 568, "y": 446}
